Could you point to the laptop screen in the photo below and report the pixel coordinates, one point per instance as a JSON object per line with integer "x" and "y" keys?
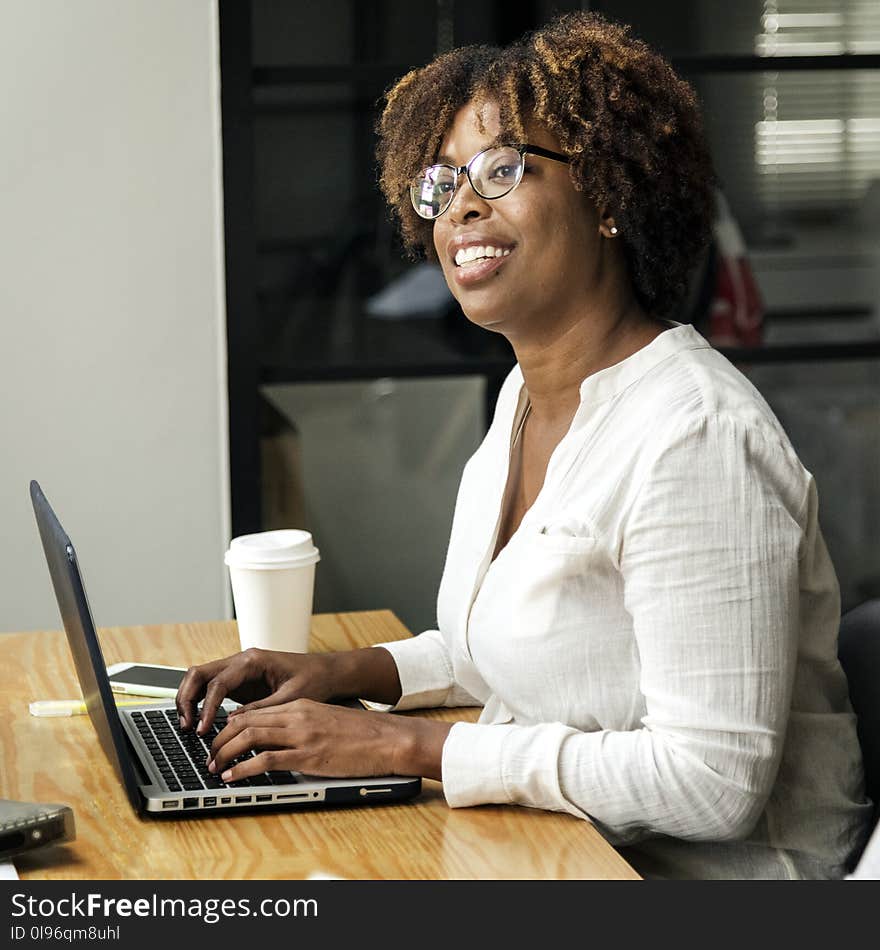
{"x": 83, "y": 640}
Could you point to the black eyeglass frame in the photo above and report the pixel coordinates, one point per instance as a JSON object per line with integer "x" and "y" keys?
{"x": 523, "y": 149}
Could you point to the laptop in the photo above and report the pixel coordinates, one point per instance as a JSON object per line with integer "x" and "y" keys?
{"x": 161, "y": 768}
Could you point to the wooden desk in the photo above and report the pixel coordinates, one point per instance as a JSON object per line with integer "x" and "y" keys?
{"x": 60, "y": 760}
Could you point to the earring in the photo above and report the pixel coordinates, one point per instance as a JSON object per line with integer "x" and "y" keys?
{"x": 613, "y": 230}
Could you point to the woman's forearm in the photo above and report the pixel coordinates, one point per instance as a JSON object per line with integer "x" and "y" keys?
{"x": 418, "y": 746}
{"x": 369, "y": 673}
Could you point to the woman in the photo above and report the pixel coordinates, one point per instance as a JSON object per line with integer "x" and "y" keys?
{"x": 636, "y": 588}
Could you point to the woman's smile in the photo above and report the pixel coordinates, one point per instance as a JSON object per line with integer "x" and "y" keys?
{"x": 477, "y": 256}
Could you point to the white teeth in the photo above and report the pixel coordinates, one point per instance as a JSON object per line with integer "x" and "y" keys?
{"x": 467, "y": 255}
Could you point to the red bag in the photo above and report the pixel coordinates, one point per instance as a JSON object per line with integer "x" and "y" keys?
{"x": 736, "y": 310}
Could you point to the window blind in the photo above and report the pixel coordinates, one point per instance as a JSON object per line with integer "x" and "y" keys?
{"x": 817, "y": 138}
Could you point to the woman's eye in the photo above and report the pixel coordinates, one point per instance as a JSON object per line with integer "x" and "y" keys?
{"x": 504, "y": 171}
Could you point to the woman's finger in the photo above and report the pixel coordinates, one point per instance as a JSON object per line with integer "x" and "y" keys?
{"x": 248, "y": 739}
{"x": 238, "y": 669}
{"x": 272, "y": 760}
{"x": 284, "y": 694}
{"x": 264, "y": 718}
{"x": 192, "y": 689}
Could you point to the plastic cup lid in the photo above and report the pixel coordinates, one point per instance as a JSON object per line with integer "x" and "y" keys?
{"x": 284, "y": 548}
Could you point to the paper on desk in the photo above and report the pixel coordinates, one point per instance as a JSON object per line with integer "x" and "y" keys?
{"x": 8, "y": 872}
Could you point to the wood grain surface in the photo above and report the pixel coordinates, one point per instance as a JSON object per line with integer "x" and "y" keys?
{"x": 60, "y": 760}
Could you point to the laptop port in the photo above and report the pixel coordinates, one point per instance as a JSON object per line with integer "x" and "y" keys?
{"x": 226, "y": 800}
{"x": 190, "y": 803}
{"x": 243, "y": 798}
{"x": 209, "y": 802}
{"x": 295, "y": 795}
{"x": 170, "y": 804}
{"x": 264, "y": 798}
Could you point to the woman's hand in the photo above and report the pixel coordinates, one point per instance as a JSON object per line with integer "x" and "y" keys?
{"x": 319, "y": 739}
{"x": 265, "y": 678}
{"x": 256, "y": 678}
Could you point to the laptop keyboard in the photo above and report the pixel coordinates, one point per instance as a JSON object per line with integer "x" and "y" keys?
{"x": 181, "y": 756}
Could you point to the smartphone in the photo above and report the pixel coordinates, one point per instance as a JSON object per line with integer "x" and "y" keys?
{"x": 145, "y": 679}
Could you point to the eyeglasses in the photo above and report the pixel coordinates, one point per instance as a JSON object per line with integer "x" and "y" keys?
{"x": 493, "y": 173}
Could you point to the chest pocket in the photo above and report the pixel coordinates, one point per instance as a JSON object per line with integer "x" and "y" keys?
{"x": 561, "y": 536}
{"x": 550, "y": 541}
{"x": 535, "y": 634}
{"x": 552, "y": 571}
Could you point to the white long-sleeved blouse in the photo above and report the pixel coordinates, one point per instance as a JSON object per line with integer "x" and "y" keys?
{"x": 655, "y": 647}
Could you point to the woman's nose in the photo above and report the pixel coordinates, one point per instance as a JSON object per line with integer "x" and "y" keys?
{"x": 466, "y": 203}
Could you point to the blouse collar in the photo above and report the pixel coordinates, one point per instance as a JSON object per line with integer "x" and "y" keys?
{"x": 612, "y": 380}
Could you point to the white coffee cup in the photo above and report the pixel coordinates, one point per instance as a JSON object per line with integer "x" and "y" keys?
{"x": 273, "y": 584}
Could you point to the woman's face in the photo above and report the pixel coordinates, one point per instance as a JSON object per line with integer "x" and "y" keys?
{"x": 550, "y": 230}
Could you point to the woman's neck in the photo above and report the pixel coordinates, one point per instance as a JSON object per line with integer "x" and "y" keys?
{"x": 556, "y": 363}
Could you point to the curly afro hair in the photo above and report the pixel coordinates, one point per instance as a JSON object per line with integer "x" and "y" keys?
{"x": 630, "y": 126}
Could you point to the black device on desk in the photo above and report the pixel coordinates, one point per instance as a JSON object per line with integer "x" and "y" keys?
{"x": 161, "y": 768}
{"x": 25, "y": 826}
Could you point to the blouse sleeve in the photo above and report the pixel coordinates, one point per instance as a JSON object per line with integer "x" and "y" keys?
{"x": 709, "y": 556}
{"x": 424, "y": 668}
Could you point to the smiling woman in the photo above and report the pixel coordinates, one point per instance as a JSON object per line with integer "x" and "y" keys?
{"x": 636, "y": 588}
{"x": 631, "y": 130}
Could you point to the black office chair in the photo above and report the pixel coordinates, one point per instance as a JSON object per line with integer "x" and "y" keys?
{"x": 859, "y": 652}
